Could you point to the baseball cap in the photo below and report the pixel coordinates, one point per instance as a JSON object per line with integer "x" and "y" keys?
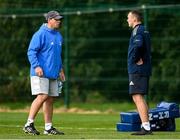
{"x": 53, "y": 14}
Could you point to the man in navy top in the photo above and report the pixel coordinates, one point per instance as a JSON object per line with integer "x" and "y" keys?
{"x": 139, "y": 68}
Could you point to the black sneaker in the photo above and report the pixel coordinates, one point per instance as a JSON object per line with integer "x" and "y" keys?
{"x": 53, "y": 131}
{"x": 143, "y": 132}
{"x": 31, "y": 129}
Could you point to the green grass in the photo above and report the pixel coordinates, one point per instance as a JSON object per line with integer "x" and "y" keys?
{"x": 118, "y": 106}
{"x": 75, "y": 126}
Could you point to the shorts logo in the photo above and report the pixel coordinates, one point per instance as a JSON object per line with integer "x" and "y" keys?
{"x": 131, "y": 83}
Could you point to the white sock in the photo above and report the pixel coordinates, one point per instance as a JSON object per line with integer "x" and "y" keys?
{"x": 48, "y": 126}
{"x": 29, "y": 121}
{"x": 146, "y": 126}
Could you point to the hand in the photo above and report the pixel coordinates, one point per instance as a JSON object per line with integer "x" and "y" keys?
{"x": 140, "y": 62}
{"x": 39, "y": 71}
{"x": 62, "y": 76}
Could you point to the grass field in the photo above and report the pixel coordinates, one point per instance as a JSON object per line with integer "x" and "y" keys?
{"x": 75, "y": 126}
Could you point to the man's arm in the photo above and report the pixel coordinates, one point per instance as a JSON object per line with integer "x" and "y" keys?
{"x": 137, "y": 45}
{"x": 62, "y": 75}
{"x": 33, "y": 49}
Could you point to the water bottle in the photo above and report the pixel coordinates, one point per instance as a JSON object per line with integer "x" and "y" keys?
{"x": 60, "y": 85}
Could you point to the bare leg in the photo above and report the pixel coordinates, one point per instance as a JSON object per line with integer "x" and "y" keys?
{"x": 48, "y": 113}
{"x": 141, "y": 107}
{"x": 36, "y": 105}
{"x": 48, "y": 109}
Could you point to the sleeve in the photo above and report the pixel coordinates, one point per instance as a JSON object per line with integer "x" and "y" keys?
{"x": 62, "y": 42}
{"x": 137, "y": 45}
{"x": 33, "y": 49}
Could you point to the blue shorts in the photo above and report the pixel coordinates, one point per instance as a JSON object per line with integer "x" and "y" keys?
{"x": 138, "y": 84}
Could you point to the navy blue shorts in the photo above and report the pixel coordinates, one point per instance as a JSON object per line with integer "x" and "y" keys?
{"x": 138, "y": 84}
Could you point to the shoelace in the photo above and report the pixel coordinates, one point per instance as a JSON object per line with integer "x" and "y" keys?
{"x": 53, "y": 131}
{"x": 31, "y": 128}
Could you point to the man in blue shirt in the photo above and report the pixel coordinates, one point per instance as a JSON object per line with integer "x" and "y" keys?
{"x": 139, "y": 68}
{"x": 44, "y": 54}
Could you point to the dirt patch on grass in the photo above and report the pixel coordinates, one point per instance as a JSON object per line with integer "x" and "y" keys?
{"x": 62, "y": 110}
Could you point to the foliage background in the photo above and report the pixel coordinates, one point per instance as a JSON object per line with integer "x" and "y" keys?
{"x": 97, "y": 45}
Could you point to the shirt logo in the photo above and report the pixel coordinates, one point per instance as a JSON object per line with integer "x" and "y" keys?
{"x": 137, "y": 40}
{"x": 131, "y": 83}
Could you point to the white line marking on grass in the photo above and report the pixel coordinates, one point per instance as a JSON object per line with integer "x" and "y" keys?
{"x": 94, "y": 128}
